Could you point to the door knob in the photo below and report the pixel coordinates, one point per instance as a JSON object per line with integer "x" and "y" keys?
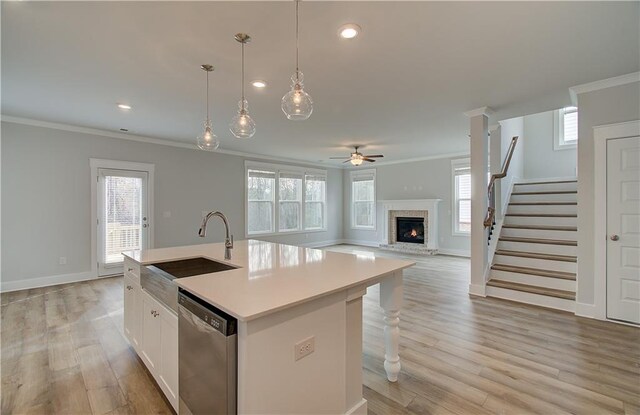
{"x": 144, "y": 226}
{"x": 615, "y": 237}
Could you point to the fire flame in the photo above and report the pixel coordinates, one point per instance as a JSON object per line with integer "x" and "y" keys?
{"x": 414, "y": 233}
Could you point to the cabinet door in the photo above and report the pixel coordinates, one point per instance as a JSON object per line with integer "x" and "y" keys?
{"x": 151, "y": 335}
{"x": 169, "y": 356}
{"x": 132, "y": 313}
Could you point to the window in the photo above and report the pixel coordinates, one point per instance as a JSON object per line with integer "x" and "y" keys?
{"x": 260, "y": 201}
{"x": 565, "y": 122}
{"x": 363, "y": 199}
{"x": 314, "y": 201}
{"x": 461, "y": 172}
{"x": 282, "y": 199}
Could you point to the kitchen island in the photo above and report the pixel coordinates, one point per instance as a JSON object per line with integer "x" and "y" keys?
{"x": 282, "y": 296}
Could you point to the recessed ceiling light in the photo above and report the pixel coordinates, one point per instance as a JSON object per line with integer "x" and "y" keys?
{"x": 258, "y": 83}
{"x": 349, "y": 31}
{"x": 124, "y": 107}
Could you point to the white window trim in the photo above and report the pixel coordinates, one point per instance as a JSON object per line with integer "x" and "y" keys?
{"x": 358, "y": 173}
{"x": 94, "y": 166}
{"x": 277, "y": 169}
{"x": 558, "y": 132}
{"x": 456, "y": 163}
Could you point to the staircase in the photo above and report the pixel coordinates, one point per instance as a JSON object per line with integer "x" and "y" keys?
{"x": 535, "y": 259}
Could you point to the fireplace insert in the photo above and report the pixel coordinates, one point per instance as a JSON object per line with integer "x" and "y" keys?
{"x": 410, "y": 230}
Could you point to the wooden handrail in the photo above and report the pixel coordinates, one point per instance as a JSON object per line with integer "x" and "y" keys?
{"x": 491, "y": 211}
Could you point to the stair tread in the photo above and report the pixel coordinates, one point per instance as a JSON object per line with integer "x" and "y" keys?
{"x": 536, "y": 255}
{"x": 547, "y": 192}
{"x": 543, "y": 203}
{"x": 538, "y": 241}
{"x": 535, "y": 271}
{"x": 541, "y": 227}
{"x": 532, "y": 289}
{"x": 549, "y": 182}
{"x": 545, "y": 215}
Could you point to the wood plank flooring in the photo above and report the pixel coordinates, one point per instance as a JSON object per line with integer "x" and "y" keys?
{"x": 63, "y": 352}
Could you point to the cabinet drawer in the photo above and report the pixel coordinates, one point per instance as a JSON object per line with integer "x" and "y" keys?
{"x": 132, "y": 269}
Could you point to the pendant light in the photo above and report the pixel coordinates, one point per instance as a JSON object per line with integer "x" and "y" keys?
{"x": 242, "y": 126}
{"x": 208, "y": 140}
{"x": 297, "y": 104}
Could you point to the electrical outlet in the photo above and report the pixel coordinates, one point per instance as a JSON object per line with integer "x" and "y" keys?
{"x": 62, "y": 260}
{"x": 304, "y": 347}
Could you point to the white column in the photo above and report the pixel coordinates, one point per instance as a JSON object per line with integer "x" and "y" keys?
{"x": 479, "y": 120}
{"x": 391, "y": 301}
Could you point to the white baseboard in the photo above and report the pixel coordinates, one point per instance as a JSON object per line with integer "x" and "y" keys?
{"x": 321, "y": 244}
{"x": 372, "y": 244}
{"x": 455, "y": 252}
{"x": 6, "y": 286}
{"x": 479, "y": 290}
{"x": 358, "y": 409}
{"x": 585, "y": 310}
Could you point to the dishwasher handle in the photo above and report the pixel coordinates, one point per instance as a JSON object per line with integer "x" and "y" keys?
{"x": 214, "y": 317}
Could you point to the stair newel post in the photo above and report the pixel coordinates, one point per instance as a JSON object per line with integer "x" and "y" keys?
{"x": 479, "y": 123}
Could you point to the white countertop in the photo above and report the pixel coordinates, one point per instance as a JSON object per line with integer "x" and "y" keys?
{"x": 271, "y": 276}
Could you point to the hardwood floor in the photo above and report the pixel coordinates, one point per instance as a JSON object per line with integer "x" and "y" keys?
{"x": 63, "y": 352}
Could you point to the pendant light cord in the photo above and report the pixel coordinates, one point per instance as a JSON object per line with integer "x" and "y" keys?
{"x": 242, "y": 86}
{"x": 207, "y": 95}
{"x": 297, "y": 43}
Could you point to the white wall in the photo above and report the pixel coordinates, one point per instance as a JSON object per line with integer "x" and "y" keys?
{"x": 540, "y": 159}
{"x": 508, "y": 129}
{"x": 427, "y": 179}
{"x": 606, "y": 106}
{"x": 46, "y": 197}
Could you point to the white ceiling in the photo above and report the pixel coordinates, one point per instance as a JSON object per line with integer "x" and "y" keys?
{"x": 400, "y": 88}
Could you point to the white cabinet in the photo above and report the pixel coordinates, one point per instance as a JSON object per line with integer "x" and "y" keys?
{"x": 132, "y": 311}
{"x": 159, "y": 346}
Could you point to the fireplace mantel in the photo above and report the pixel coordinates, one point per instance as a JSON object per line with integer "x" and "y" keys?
{"x": 431, "y": 225}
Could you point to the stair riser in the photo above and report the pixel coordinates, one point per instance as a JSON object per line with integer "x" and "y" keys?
{"x": 535, "y": 220}
{"x": 547, "y": 264}
{"x": 538, "y": 281}
{"x": 540, "y": 248}
{"x": 535, "y": 299}
{"x": 548, "y": 209}
{"x": 550, "y": 187}
{"x": 562, "y": 197}
{"x": 540, "y": 233}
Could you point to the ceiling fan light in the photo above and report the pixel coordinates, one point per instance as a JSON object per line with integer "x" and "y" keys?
{"x": 356, "y": 161}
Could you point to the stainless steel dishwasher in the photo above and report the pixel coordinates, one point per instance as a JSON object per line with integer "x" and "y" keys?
{"x": 207, "y": 349}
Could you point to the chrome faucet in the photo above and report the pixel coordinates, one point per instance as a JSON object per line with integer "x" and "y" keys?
{"x": 228, "y": 241}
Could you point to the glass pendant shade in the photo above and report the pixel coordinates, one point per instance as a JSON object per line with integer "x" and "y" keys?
{"x": 242, "y": 126}
{"x": 207, "y": 140}
{"x": 357, "y": 160}
{"x": 297, "y": 105}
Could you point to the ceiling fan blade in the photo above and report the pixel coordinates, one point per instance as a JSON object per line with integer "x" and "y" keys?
{"x": 338, "y": 158}
{"x": 368, "y": 159}
{"x": 374, "y": 156}
{"x": 347, "y": 161}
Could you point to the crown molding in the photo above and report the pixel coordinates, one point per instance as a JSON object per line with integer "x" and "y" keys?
{"x": 412, "y": 160}
{"x": 170, "y": 143}
{"x": 479, "y": 111}
{"x": 629, "y": 78}
{"x": 152, "y": 140}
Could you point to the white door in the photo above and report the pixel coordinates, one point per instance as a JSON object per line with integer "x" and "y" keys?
{"x": 123, "y": 222}
{"x": 623, "y": 229}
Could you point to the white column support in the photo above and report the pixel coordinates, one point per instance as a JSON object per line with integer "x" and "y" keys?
{"x": 391, "y": 301}
{"x": 479, "y": 120}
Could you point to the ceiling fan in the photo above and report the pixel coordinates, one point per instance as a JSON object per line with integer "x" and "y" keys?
{"x": 356, "y": 158}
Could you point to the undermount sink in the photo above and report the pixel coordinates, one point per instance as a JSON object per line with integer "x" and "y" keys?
{"x": 189, "y": 267}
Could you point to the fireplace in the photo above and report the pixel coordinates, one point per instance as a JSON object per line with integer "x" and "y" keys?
{"x": 410, "y": 230}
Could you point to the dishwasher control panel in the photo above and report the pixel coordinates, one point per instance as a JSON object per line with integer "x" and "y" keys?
{"x": 209, "y": 314}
